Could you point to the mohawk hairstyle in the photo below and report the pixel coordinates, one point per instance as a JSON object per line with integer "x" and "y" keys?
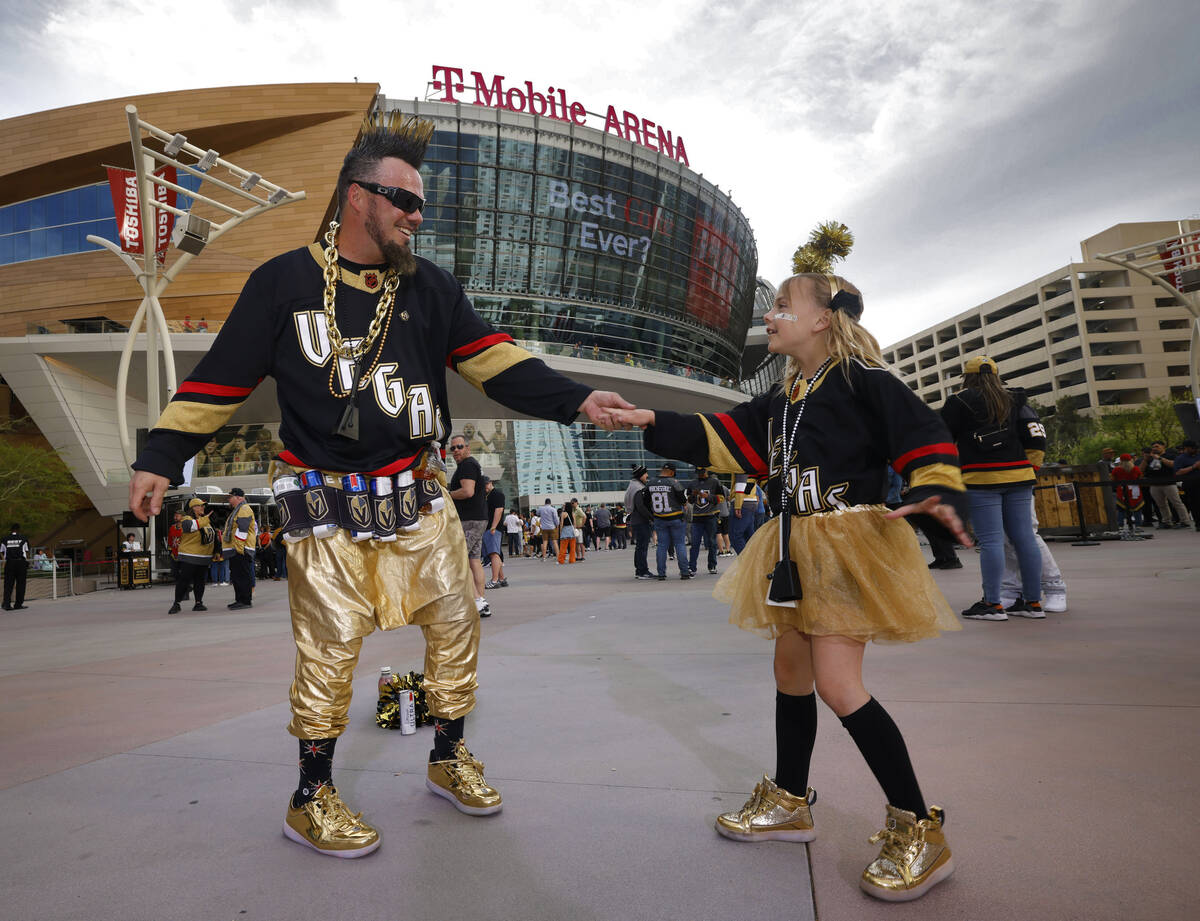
{"x": 384, "y": 134}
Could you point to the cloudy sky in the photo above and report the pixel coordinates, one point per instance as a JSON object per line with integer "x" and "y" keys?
{"x": 970, "y": 146}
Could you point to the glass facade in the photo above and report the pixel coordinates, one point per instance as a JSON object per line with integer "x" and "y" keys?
{"x": 59, "y": 224}
{"x": 544, "y": 459}
{"x": 587, "y": 244}
{"x": 582, "y": 244}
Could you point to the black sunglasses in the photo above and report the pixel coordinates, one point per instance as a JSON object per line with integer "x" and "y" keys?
{"x": 458, "y": 447}
{"x": 401, "y": 198}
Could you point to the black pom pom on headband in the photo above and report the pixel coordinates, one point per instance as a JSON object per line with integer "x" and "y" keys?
{"x": 850, "y": 304}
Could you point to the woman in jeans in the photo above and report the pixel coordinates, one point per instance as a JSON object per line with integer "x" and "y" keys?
{"x": 1000, "y": 442}
{"x": 567, "y": 535}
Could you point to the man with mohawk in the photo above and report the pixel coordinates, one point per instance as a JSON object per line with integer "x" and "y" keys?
{"x": 357, "y": 334}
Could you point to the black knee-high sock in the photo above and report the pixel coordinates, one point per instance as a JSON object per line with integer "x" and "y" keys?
{"x": 795, "y": 735}
{"x": 316, "y": 768}
{"x": 881, "y": 744}
{"x": 445, "y": 734}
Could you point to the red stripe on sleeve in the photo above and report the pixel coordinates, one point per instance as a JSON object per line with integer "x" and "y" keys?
{"x": 214, "y": 390}
{"x": 739, "y": 438}
{"x": 480, "y": 344}
{"x": 905, "y": 459}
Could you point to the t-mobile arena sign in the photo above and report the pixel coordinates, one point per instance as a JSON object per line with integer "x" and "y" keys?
{"x": 553, "y": 103}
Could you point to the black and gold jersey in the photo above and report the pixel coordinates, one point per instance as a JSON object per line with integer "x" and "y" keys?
{"x": 1014, "y": 453}
{"x": 856, "y": 420}
{"x": 197, "y": 539}
{"x": 278, "y": 328}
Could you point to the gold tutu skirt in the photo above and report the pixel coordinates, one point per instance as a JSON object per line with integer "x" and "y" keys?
{"x": 861, "y": 575}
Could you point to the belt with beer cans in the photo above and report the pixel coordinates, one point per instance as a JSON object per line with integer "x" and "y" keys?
{"x": 317, "y": 504}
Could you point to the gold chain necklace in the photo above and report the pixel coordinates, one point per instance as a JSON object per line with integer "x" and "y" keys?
{"x": 391, "y": 281}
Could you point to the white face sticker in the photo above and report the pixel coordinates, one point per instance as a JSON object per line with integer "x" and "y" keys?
{"x": 784, "y": 315}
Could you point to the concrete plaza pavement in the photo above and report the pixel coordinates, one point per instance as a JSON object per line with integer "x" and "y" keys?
{"x": 146, "y": 766}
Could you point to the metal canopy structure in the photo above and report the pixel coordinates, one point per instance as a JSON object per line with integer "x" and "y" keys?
{"x": 247, "y": 196}
{"x": 251, "y": 195}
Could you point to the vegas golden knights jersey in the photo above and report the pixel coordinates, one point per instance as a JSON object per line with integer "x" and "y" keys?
{"x": 857, "y": 420}
{"x": 193, "y": 548}
{"x": 278, "y": 328}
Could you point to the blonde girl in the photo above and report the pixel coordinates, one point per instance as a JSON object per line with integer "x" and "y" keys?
{"x": 838, "y": 569}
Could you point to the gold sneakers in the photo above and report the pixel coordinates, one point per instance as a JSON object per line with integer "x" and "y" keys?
{"x": 771, "y": 814}
{"x": 914, "y": 857}
{"x": 460, "y": 780}
{"x": 327, "y": 825}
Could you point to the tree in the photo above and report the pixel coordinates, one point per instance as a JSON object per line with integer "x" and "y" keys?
{"x": 828, "y": 243}
{"x": 36, "y": 488}
{"x": 1066, "y": 427}
{"x": 1079, "y": 438}
{"x": 1130, "y": 430}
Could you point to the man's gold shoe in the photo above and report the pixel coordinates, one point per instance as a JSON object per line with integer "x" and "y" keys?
{"x": 327, "y": 825}
{"x": 914, "y": 857}
{"x": 771, "y": 814}
{"x": 460, "y": 780}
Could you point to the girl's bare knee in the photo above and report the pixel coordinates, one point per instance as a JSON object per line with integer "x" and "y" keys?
{"x": 842, "y": 697}
{"x": 793, "y": 665}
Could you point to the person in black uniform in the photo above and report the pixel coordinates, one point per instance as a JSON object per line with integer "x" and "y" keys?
{"x": 706, "y": 494}
{"x": 357, "y": 334}
{"x": 834, "y": 568}
{"x": 667, "y": 499}
{"x": 16, "y": 566}
{"x": 239, "y": 543}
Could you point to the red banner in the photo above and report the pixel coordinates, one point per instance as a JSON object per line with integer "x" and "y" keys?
{"x": 710, "y": 276}
{"x": 1179, "y": 255}
{"x": 122, "y": 183}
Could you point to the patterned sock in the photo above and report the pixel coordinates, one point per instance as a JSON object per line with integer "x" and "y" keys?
{"x": 316, "y": 768}
{"x": 795, "y": 735}
{"x": 445, "y": 734}
{"x": 879, "y": 740}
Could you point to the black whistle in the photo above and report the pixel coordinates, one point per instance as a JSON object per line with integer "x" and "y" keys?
{"x": 785, "y": 582}
{"x": 347, "y": 425}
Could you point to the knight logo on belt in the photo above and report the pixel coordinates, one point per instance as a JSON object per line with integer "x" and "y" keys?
{"x": 355, "y": 485}
{"x": 358, "y": 502}
{"x": 316, "y": 504}
{"x": 409, "y": 498}
{"x": 360, "y": 511}
{"x": 387, "y": 514}
{"x": 384, "y": 504}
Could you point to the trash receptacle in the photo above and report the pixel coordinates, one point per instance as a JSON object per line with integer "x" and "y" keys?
{"x": 133, "y": 569}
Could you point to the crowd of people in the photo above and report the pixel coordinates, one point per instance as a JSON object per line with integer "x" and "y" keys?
{"x": 721, "y": 519}
{"x": 1160, "y": 486}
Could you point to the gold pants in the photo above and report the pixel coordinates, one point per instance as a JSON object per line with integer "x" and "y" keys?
{"x": 340, "y": 591}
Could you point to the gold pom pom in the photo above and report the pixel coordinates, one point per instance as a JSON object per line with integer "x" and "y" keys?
{"x": 830, "y": 242}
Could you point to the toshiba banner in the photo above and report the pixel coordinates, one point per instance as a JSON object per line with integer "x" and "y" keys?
{"x": 123, "y": 185}
{"x": 1178, "y": 256}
